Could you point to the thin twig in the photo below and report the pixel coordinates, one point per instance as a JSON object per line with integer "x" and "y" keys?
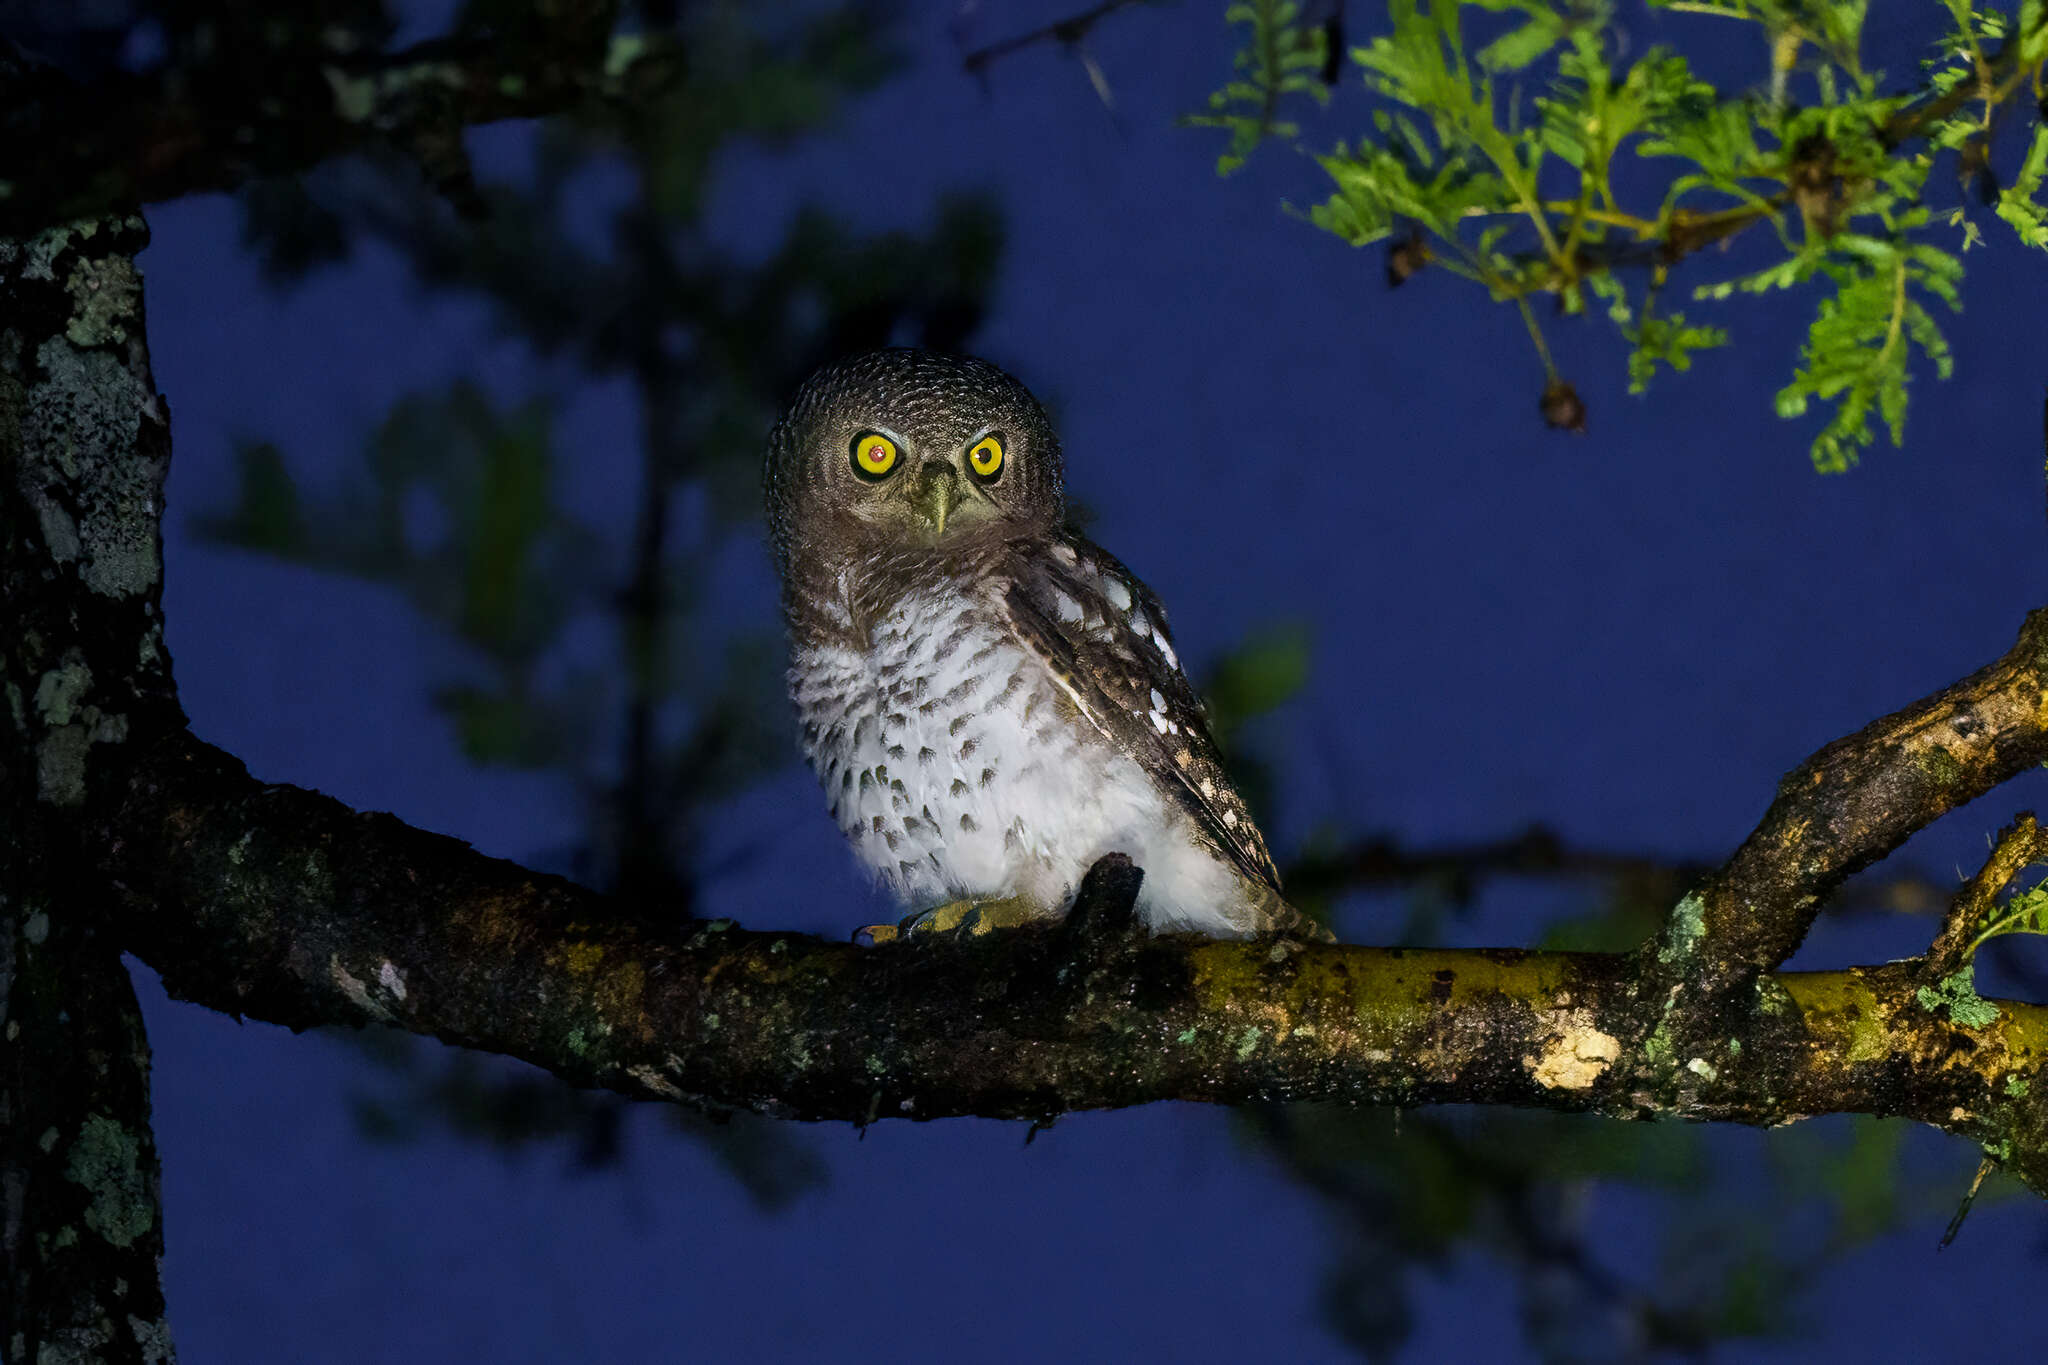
{"x": 2018, "y": 844}
{"x": 1067, "y": 32}
{"x": 1955, "y": 1224}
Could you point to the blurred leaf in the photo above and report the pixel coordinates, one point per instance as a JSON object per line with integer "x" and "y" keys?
{"x": 773, "y": 1165}
{"x": 507, "y": 728}
{"x": 1258, "y": 675}
{"x": 1864, "y": 1180}
{"x": 507, "y": 1105}
{"x": 265, "y": 515}
{"x": 289, "y": 231}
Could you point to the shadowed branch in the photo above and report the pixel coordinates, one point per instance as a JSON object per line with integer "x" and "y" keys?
{"x": 276, "y": 96}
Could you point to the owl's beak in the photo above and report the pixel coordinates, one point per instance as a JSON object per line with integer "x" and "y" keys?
{"x": 937, "y": 494}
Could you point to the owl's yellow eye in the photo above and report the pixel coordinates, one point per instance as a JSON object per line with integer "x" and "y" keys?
{"x": 874, "y": 455}
{"x": 985, "y": 457}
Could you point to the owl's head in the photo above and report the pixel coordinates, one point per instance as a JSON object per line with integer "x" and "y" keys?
{"x": 902, "y": 449}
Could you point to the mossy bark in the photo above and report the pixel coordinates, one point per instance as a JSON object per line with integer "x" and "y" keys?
{"x": 83, "y": 674}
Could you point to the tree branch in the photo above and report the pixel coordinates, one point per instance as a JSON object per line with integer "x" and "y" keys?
{"x": 1066, "y": 32}
{"x": 281, "y": 904}
{"x": 2020, "y": 843}
{"x": 278, "y": 95}
{"x": 1847, "y": 806}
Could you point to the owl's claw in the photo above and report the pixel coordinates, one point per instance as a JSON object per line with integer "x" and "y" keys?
{"x": 956, "y": 919}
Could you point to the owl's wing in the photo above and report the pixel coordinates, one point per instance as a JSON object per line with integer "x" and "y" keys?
{"x": 1104, "y": 636}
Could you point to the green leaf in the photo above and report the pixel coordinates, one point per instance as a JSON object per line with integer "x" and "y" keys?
{"x": 2019, "y": 203}
{"x": 1280, "y": 58}
{"x": 1668, "y": 340}
{"x": 2023, "y": 913}
{"x": 1261, "y": 674}
{"x": 1522, "y": 46}
{"x": 1856, "y": 353}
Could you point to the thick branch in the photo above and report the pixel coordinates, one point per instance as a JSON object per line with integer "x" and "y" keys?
{"x": 281, "y": 96}
{"x": 1850, "y": 804}
{"x": 284, "y": 905}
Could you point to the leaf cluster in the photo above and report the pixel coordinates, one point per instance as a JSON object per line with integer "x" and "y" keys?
{"x": 1280, "y": 58}
{"x": 1422, "y": 1190}
{"x": 1515, "y": 143}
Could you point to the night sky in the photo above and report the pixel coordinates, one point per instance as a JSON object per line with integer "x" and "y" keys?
{"x": 1628, "y": 635}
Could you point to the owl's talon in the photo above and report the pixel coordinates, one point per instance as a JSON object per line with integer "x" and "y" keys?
{"x": 969, "y": 918}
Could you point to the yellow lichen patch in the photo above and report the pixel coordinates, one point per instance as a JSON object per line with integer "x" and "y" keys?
{"x": 1575, "y": 1056}
{"x": 582, "y": 958}
{"x": 618, "y": 998}
{"x": 493, "y": 919}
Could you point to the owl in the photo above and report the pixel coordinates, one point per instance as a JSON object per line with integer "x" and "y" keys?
{"x": 991, "y": 701}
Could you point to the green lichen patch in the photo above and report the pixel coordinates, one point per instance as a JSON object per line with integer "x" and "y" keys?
{"x": 1688, "y": 925}
{"x": 107, "y": 1160}
{"x": 47, "y": 246}
{"x": 106, "y": 295}
{"x": 82, "y": 429}
{"x": 1657, "y": 1050}
{"x": 2017, "y": 1086}
{"x": 59, "y": 691}
{"x": 1955, "y": 998}
{"x": 1943, "y": 768}
{"x": 1773, "y": 999}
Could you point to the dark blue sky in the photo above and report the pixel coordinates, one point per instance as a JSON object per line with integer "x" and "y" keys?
{"x": 1629, "y": 634}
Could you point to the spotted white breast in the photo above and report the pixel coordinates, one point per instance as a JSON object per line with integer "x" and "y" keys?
{"x": 959, "y": 767}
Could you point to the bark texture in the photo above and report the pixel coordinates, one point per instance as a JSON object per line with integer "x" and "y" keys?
{"x": 84, "y": 446}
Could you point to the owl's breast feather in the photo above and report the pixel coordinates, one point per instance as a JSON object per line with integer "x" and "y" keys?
{"x": 952, "y": 764}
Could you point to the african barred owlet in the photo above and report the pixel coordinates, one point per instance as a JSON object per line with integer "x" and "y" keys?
{"x": 991, "y": 701}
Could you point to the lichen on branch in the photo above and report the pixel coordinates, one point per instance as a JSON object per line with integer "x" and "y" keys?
{"x": 279, "y": 904}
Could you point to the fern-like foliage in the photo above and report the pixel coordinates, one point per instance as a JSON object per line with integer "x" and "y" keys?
{"x": 1279, "y": 58}
{"x": 2024, "y": 912}
{"x": 1498, "y": 128}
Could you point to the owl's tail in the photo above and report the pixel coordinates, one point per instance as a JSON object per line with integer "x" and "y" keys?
{"x": 1273, "y": 914}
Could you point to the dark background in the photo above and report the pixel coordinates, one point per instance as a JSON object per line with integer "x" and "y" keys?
{"x": 1628, "y": 635}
